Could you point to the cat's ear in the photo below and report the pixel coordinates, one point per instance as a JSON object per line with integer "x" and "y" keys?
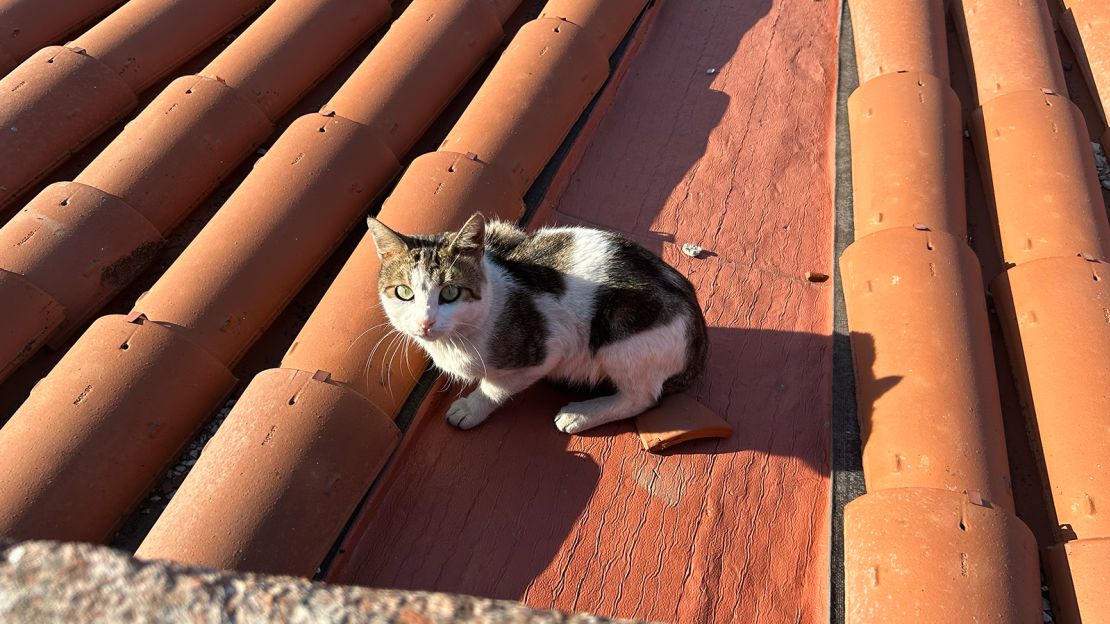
{"x": 471, "y": 237}
{"x": 387, "y": 241}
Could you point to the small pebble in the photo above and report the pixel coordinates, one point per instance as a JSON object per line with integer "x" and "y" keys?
{"x": 190, "y": 462}
{"x": 691, "y": 250}
{"x": 816, "y": 277}
{"x": 262, "y": 151}
{"x": 711, "y": 71}
{"x": 967, "y": 134}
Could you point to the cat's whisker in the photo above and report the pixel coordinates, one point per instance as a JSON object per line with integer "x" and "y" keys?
{"x": 389, "y": 367}
{"x": 383, "y": 376}
{"x": 478, "y": 353}
{"x": 376, "y": 345}
{"x": 392, "y": 335}
{"x": 359, "y": 337}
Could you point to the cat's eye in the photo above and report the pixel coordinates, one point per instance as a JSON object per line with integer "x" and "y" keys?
{"x": 404, "y": 293}
{"x": 449, "y": 293}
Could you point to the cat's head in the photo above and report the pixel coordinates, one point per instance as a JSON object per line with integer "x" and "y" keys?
{"x": 431, "y": 286}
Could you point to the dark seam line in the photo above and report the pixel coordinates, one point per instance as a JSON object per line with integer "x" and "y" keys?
{"x": 847, "y": 473}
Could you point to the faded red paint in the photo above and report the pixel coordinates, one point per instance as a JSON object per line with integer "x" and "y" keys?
{"x": 738, "y": 161}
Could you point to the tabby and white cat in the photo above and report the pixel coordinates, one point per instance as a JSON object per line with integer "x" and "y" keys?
{"x": 498, "y": 306}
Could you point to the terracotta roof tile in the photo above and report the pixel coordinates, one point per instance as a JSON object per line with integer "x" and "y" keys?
{"x": 912, "y": 119}
{"x": 252, "y": 479}
{"x": 25, "y": 25}
{"x": 1079, "y": 576}
{"x": 918, "y": 554}
{"x": 928, "y": 400}
{"x": 904, "y": 36}
{"x": 1010, "y": 46}
{"x": 1054, "y": 313}
{"x": 1037, "y": 166}
{"x": 935, "y": 533}
{"x": 65, "y": 96}
{"x": 1087, "y": 26}
{"x": 77, "y": 476}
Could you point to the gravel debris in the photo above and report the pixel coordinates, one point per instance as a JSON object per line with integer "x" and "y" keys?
{"x": 1102, "y": 165}
{"x": 163, "y": 493}
{"x": 1046, "y": 605}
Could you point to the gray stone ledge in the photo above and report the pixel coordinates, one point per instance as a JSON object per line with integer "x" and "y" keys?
{"x": 54, "y": 582}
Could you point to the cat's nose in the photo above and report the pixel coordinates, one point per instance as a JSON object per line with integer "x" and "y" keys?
{"x": 426, "y": 325}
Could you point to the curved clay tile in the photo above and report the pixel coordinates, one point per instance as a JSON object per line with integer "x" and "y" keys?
{"x": 1079, "y": 576}
{"x": 907, "y": 155}
{"x": 146, "y": 39}
{"x": 1087, "y": 26}
{"x": 35, "y": 321}
{"x": 604, "y": 22}
{"x": 916, "y": 555}
{"x": 1056, "y": 316}
{"x": 74, "y": 474}
{"x": 26, "y": 25}
{"x": 42, "y": 129}
{"x": 550, "y": 67}
{"x": 1010, "y": 45}
{"x": 64, "y": 96}
{"x": 175, "y": 152}
{"x": 227, "y": 295}
{"x": 1037, "y": 168}
{"x": 428, "y": 52}
{"x": 439, "y": 191}
{"x": 77, "y": 244}
{"x": 928, "y": 397}
{"x": 218, "y": 298}
{"x": 182, "y": 145}
{"x": 349, "y": 437}
{"x": 937, "y": 531}
{"x": 903, "y": 36}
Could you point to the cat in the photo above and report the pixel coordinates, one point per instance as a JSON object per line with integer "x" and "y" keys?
{"x": 495, "y": 305}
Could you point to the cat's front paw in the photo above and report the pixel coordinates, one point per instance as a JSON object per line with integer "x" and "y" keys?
{"x": 464, "y": 415}
{"x": 573, "y": 421}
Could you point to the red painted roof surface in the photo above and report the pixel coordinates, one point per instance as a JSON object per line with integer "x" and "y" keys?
{"x": 719, "y": 134}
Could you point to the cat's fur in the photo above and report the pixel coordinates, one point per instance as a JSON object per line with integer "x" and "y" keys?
{"x": 571, "y": 304}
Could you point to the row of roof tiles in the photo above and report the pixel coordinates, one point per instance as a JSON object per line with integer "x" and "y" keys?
{"x": 934, "y": 455}
{"x": 913, "y": 289}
